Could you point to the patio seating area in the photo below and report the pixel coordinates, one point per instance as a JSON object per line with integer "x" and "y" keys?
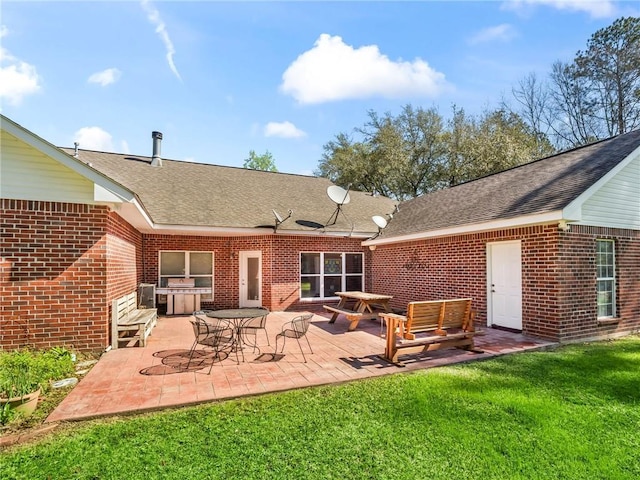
{"x": 159, "y": 375}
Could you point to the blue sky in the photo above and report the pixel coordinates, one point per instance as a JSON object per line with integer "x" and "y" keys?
{"x": 219, "y": 79}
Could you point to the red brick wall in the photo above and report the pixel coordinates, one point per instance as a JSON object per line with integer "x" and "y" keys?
{"x": 280, "y": 263}
{"x": 52, "y": 275}
{"x": 558, "y": 277}
{"x": 578, "y": 311}
{"x": 125, "y": 261}
{"x": 62, "y": 264}
{"x": 286, "y": 267}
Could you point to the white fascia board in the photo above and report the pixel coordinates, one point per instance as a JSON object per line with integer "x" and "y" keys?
{"x": 525, "y": 221}
{"x": 322, "y": 233}
{"x": 207, "y": 231}
{"x": 198, "y": 230}
{"x": 573, "y": 211}
{"x": 102, "y": 182}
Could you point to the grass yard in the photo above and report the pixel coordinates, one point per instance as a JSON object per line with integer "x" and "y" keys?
{"x": 571, "y": 413}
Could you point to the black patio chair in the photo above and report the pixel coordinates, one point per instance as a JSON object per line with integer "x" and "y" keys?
{"x": 296, "y": 328}
{"x": 216, "y": 334}
{"x": 250, "y": 327}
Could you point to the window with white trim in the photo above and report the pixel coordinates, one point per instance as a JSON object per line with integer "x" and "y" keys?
{"x": 179, "y": 264}
{"x": 324, "y": 273}
{"x": 606, "y": 278}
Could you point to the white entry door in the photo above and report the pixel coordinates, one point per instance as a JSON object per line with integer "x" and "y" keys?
{"x": 250, "y": 279}
{"x": 504, "y": 276}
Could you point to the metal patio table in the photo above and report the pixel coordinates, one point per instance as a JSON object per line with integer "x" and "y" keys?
{"x": 238, "y": 317}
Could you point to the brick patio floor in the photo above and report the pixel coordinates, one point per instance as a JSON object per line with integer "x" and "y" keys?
{"x": 138, "y": 379}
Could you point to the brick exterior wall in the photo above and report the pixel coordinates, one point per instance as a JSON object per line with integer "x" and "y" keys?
{"x": 280, "y": 264}
{"x": 558, "y": 277}
{"x": 577, "y": 264}
{"x": 62, "y": 264}
{"x": 53, "y": 275}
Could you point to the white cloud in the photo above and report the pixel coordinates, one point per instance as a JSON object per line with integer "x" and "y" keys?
{"x": 94, "y": 138}
{"x": 595, "y": 8}
{"x": 105, "y": 77}
{"x": 503, "y": 32}
{"x": 17, "y": 78}
{"x": 283, "y": 130}
{"x": 333, "y": 70}
{"x": 153, "y": 15}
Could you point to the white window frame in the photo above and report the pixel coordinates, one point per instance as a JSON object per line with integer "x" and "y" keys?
{"x": 611, "y": 279}
{"x": 322, "y": 274}
{"x": 187, "y": 273}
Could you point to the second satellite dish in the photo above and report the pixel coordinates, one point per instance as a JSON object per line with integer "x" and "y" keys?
{"x": 381, "y": 222}
{"x": 338, "y": 195}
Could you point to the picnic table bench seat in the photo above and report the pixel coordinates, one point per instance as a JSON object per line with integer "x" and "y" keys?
{"x": 357, "y": 305}
{"x": 129, "y": 323}
{"x": 430, "y": 325}
{"x": 350, "y": 314}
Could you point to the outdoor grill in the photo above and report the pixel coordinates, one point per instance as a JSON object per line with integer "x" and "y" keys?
{"x": 182, "y": 295}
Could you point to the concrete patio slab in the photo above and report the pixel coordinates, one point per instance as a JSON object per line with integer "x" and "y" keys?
{"x": 135, "y": 379}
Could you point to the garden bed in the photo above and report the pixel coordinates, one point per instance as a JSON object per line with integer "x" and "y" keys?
{"x": 21, "y": 368}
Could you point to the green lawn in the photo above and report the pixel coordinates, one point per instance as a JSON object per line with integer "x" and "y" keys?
{"x": 572, "y": 413}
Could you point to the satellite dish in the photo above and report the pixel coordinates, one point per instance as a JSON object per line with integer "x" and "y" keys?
{"x": 338, "y": 195}
{"x": 279, "y": 218}
{"x": 381, "y": 222}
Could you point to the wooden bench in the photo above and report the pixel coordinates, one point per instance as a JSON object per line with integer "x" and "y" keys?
{"x": 353, "y": 316}
{"x": 443, "y": 323}
{"x": 130, "y": 323}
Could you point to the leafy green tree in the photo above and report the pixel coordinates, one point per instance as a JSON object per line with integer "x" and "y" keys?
{"x": 413, "y": 153}
{"x": 351, "y": 164}
{"x": 502, "y": 140}
{"x": 398, "y": 156}
{"x": 264, "y": 162}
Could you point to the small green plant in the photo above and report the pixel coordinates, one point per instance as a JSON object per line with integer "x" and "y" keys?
{"x": 6, "y": 414}
{"x": 59, "y": 352}
{"x": 17, "y": 375}
{"x": 24, "y": 371}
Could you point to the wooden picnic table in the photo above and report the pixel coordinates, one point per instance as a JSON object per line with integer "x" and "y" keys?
{"x": 363, "y": 307}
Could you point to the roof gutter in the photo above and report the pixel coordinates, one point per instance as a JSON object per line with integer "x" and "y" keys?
{"x": 529, "y": 220}
{"x": 199, "y": 230}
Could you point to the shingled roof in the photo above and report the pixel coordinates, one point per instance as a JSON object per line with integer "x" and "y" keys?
{"x": 188, "y": 194}
{"x": 545, "y": 185}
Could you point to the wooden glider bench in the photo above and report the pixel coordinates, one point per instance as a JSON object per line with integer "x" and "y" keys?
{"x": 447, "y": 324}
{"x": 130, "y": 323}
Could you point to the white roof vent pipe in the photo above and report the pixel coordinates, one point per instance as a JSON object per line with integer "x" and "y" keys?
{"x": 156, "y": 160}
